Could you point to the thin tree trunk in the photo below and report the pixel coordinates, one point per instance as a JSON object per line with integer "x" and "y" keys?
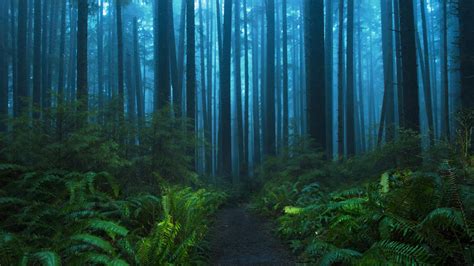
{"x": 37, "y": 59}
{"x": 82, "y": 89}
{"x": 4, "y": 30}
{"x": 121, "y": 96}
{"x": 445, "y": 128}
{"x": 245, "y": 160}
{"x": 238, "y": 85}
{"x": 270, "y": 86}
{"x": 224, "y": 105}
{"x": 100, "y": 60}
{"x": 340, "y": 83}
{"x": 427, "y": 74}
{"x": 22, "y": 67}
{"x": 350, "y": 121}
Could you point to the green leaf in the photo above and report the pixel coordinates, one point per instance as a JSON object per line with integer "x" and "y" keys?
{"x": 47, "y": 258}
{"x": 109, "y": 227}
{"x": 94, "y": 241}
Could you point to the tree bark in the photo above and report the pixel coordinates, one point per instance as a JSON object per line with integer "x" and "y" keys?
{"x": 270, "y": 148}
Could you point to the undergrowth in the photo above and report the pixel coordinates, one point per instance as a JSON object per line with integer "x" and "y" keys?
{"x": 376, "y": 209}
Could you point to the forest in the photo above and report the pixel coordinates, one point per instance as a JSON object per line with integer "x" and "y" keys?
{"x": 236, "y": 132}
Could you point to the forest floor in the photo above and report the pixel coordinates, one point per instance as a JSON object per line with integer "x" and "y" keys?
{"x": 240, "y": 237}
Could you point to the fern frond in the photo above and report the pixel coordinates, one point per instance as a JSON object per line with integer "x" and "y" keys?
{"x": 46, "y": 258}
{"x": 109, "y": 227}
{"x": 346, "y": 256}
{"x": 94, "y": 241}
{"x": 403, "y": 253}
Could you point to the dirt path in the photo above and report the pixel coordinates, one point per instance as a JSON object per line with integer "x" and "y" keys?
{"x": 242, "y": 238}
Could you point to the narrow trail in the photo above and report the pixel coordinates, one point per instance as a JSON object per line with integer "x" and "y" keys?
{"x": 242, "y": 238}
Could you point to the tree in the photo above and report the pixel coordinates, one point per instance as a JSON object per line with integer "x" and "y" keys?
{"x": 387, "y": 117}
{"x": 427, "y": 73}
{"x": 269, "y": 131}
{"x": 285, "y": 73}
{"x": 224, "y": 106}
{"x": 246, "y": 87}
{"x": 21, "y": 104}
{"x": 466, "y": 44}
{"x": 190, "y": 65}
{"x": 4, "y": 29}
{"x": 410, "y": 118}
{"x": 137, "y": 76}
{"x": 238, "y": 81}
{"x": 445, "y": 128}
{"x": 315, "y": 71}
{"x": 340, "y": 83}
{"x": 350, "y": 110}
{"x": 37, "y": 58}
{"x": 82, "y": 89}
{"x": 161, "y": 54}
{"x": 100, "y": 59}
{"x": 329, "y": 76}
{"x": 120, "y": 102}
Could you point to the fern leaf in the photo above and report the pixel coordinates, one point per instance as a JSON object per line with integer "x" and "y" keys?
{"x": 403, "y": 253}
{"x": 94, "y": 241}
{"x": 109, "y": 227}
{"x": 345, "y": 256}
{"x": 47, "y": 258}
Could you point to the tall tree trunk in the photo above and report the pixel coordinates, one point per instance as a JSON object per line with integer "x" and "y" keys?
{"x": 138, "y": 76}
{"x": 21, "y": 53}
{"x": 270, "y": 86}
{"x": 410, "y": 111}
{"x": 4, "y": 30}
{"x": 285, "y": 73}
{"x": 45, "y": 90}
{"x": 161, "y": 54}
{"x": 14, "y": 58}
{"x": 466, "y": 44}
{"x": 73, "y": 54}
{"x": 245, "y": 160}
{"x": 340, "y": 83}
{"x": 350, "y": 110}
{"x": 329, "y": 77}
{"x": 398, "y": 59}
{"x": 121, "y": 97}
{"x": 203, "y": 81}
{"x": 210, "y": 101}
{"x": 82, "y": 89}
{"x": 100, "y": 59}
{"x": 62, "y": 48}
{"x": 53, "y": 34}
{"x": 37, "y": 59}
{"x": 255, "y": 93}
{"x": 427, "y": 75}
{"x": 361, "y": 88}
{"x": 315, "y": 71}
{"x": 445, "y": 128}
{"x": 177, "y": 93}
{"x": 130, "y": 88}
{"x": 190, "y": 68}
{"x": 388, "y": 98}
{"x": 238, "y": 85}
{"x": 224, "y": 105}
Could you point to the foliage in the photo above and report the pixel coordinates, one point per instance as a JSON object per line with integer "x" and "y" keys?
{"x": 55, "y": 216}
{"x": 406, "y": 216}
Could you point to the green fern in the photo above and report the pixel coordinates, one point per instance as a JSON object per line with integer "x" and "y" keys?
{"x": 94, "y": 241}
{"x": 46, "y": 258}
{"x": 346, "y": 256}
{"x": 403, "y": 253}
{"x": 111, "y": 228}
